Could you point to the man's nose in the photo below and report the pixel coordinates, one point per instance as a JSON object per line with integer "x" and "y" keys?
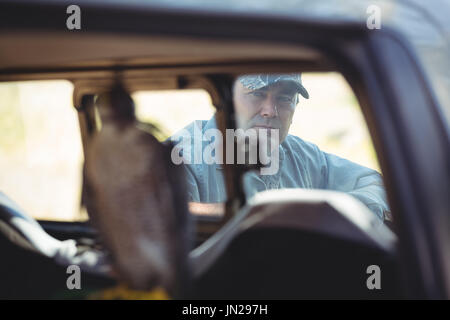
{"x": 268, "y": 109}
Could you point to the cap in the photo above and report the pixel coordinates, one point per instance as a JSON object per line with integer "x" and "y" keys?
{"x": 258, "y": 81}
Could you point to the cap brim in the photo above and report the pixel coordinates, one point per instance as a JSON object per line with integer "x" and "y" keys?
{"x": 301, "y": 89}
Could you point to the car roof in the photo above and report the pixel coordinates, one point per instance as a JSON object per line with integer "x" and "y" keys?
{"x": 424, "y": 24}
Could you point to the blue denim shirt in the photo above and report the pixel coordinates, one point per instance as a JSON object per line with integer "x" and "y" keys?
{"x": 302, "y": 165}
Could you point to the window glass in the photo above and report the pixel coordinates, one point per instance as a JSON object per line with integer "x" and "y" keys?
{"x": 323, "y": 139}
{"x": 173, "y": 110}
{"x": 331, "y": 118}
{"x": 40, "y": 149}
{"x": 179, "y": 115}
{"x": 313, "y": 134}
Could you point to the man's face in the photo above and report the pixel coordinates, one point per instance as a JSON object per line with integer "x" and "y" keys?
{"x": 271, "y": 107}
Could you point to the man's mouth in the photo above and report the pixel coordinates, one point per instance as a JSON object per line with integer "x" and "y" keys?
{"x": 263, "y": 126}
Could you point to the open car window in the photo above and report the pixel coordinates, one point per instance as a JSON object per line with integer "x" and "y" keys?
{"x": 40, "y": 149}
{"x": 175, "y": 114}
{"x": 323, "y": 139}
{"x": 325, "y": 143}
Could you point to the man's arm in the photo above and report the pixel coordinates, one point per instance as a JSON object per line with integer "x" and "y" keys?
{"x": 361, "y": 182}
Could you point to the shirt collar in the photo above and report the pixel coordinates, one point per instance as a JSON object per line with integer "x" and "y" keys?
{"x": 210, "y": 124}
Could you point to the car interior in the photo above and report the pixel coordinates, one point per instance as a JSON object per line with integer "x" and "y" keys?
{"x": 296, "y": 244}
{"x": 281, "y": 244}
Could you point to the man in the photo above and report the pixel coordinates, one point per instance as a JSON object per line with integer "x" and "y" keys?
{"x": 268, "y": 102}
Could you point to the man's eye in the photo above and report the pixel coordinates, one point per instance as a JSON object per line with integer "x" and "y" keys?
{"x": 285, "y": 99}
{"x": 257, "y": 94}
